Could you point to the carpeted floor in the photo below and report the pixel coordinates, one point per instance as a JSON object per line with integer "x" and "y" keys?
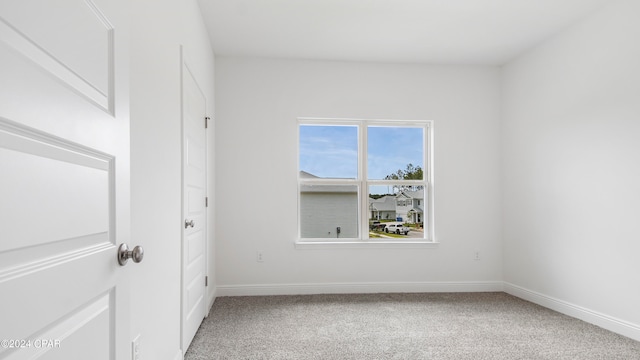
{"x": 399, "y": 326}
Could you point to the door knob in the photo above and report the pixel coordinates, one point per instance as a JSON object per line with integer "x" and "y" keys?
{"x": 188, "y": 223}
{"x": 124, "y": 254}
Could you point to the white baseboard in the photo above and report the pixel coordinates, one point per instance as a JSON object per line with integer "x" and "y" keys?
{"x": 604, "y": 321}
{"x": 357, "y": 288}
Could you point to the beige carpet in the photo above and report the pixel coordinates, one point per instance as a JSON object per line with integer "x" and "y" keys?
{"x": 399, "y": 326}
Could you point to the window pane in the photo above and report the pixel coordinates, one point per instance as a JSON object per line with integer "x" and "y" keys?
{"x": 329, "y": 151}
{"x": 395, "y": 153}
{"x": 397, "y": 205}
{"x": 328, "y": 211}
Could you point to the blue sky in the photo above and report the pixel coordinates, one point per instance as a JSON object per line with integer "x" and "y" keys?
{"x": 332, "y": 151}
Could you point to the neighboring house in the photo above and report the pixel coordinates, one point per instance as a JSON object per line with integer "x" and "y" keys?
{"x": 408, "y": 205}
{"x": 383, "y": 208}
{"x": 325, "y": 208}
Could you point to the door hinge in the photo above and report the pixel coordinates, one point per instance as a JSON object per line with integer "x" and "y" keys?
{"x": 206, "y": 202}
{"x": 206, "y": 281}
{"x": 206, "y": 122}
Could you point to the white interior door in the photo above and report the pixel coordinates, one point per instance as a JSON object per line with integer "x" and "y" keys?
{"x": 64, "y": 179}
{"x": 194, "y": 194}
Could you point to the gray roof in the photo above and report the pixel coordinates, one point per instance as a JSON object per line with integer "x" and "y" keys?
{"x": 324, "y": 188}
{"x": 416, "y": 210}
{"x": 306, "y": 175}
{"x": 385, "y": 203}
{"x": 414, "y": 194}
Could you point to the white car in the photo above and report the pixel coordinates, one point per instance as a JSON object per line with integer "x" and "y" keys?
{"x": 397, "y": 228}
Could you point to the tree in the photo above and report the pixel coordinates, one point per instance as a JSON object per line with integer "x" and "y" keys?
{"x": 410, "y": 173}
{"x": 376, "y": 196}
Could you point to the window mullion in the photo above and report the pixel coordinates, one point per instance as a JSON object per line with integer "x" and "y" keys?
{"x": 393, "y": 182}
{"x": 364, "y": 192}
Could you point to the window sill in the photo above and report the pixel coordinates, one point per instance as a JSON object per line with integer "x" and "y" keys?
{"x": 366, "y": 244}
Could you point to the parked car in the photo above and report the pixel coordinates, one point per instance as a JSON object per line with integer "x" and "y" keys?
{"x": 397, "y": 228}
{"x": 377, "y": 226}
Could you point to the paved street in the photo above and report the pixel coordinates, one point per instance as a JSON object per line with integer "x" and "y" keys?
{"x": 413, "y": 234}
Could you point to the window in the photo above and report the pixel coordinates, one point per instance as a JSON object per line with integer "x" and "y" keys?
{"x": 356, "y": 175}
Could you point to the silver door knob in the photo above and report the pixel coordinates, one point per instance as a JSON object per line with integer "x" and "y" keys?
{"x": 188, "y": 223}
{"x": 124, "y": 254}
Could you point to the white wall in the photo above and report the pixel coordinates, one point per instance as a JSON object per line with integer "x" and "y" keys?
{"x": 571, "y": 172}
{"x": 257, "y": 103}
{"x": 158, "y": 30}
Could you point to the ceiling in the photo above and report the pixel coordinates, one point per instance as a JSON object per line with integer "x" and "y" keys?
{"x": 489, "y": 32}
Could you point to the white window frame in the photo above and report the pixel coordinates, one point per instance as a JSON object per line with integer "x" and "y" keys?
{"x": 362, "y": 183}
